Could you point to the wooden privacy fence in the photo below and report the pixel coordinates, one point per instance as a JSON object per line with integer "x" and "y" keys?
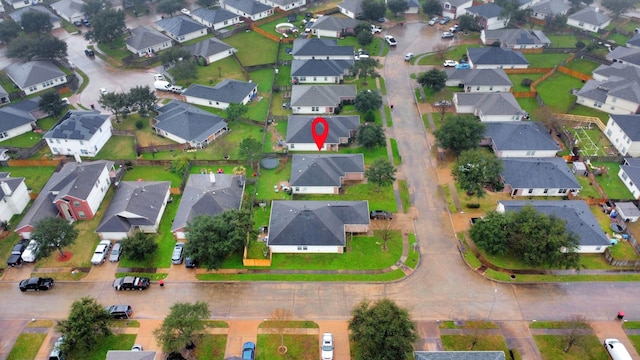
{"x": 29, "y": 163}
{"x": 581, "y": 119}
{"x": 524, "y": 94}
{"x": 573, "y": 73}
{"x": 528, "y": 71}
{"x": 255, "y": 262}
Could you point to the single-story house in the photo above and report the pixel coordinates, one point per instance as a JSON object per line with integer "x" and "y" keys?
{"x": 577, "y": 216}
{"x": 459, "y": 355}
{"x": 211, "y": 50}
{"x": 634, "y": 42}
{"x": 35, "y": 76}
{"x": 70, "y": 10}
{"x": 630, "y": 175}
{"x": 496, "y": 106}
{"x": 300, "y": 138}
{"x": 413, "y": 6}
{"x": 215, "y": 18}
{"x": 181, "y": 28}
{"x": 545, "y": 10}
{"x": 351, "y": 8}
{"x": 320, "y": 99}
{"x": 321, "y": 49}
{"x": 519, "y": 139}
{"x": 479, "y": 80}
{"x": 550, "y": 176}
{"x": 324, "y": 173}
{"x": 4, "y": 96}
{"x": 455, "y": 8}
{"x": 333, "y": 26}
{"x": 628, "y": 211}
{"x": 614, "y": 89}
{"x": 55, "y": 21}
{"x": 186, "y": 124}
{"x": 489, "y": 16}
{"x": 130, "y": 355}
{"x": 625, "y": 55}
{"x": 315, "y": 226}
{"x": 496, "y": 58}
{"x": 19, "y": 118}
{"x": 136, "y": 206}
{"x": 590, "y": 19}
{"x": 284, "y": 5}
{"x": 14, "y": 196}
{"x": 74, "y": 193}
{"x": 207, "y": 194}
{"x": 79, "y": 132}
{"x": 515, "y": 38}
{"x": 624, "y": 133}
{"x": 224, "y": 93}
{"x": 250, "y": 9}
{"x": 144, "y": 40}
{"x": 18, "y": 4}
{"x": 320, "y": 71}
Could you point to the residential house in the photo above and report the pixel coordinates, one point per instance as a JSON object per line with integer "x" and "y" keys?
{"x": 515, "y": 38}
{"x": 321, "y": 49}
{"x": 136, "y": 206}
{"x": 624, "y": 133}
{"x": 498, "y": 106}
{"x": 53, "y": 18}
{"x": 211, "y": 50}
{"x": 4, "y": 96}
{"x": 413, "y": 6}
{"x": 479, "y": 80}
{"x": 19, "y": 118}
{"x": 519, "y": 139}
{"x": 144, "y": 41}
{"x": 207, "y": 194}
{"x": 459, "y": 355}
{"x": 489, "y": 16}
{"x": 315, "y": 226}
{"x": 455, "y": 8}
{"x": 614, "y": 89}
{"x": 285, "y": 5}
{"x": 549, "y": 176}
{"x": 496, "y": 58}
{"x": 628, "y": 211}
{"x": 249, "y": 9}
{"x": 224, "y": 93}
{"x": 333, "y": 26}
{"x": 577, "y": 216}
{"x": 186, "y": 124}
{"x": 35, "y": 76}
{"x": 2, "y": 10}
{"x": 629, "y": 173}
{"x": 590, "y": 19}
{"x": 324, "y": 173}
{"x": 130, "y": 355}
{"x": 300, "y": 138}
{"x": 79, "y": 132}
{"x": 73, "y": 193}
{"x": 546, "y": 10}
{"x": 634, "y": 42}
{"x": 351, "y": 8}
{"x": 181, "y": 28}
{"x": 320, "y": 71}
{"x": 18, "y": 4}
{"x": 625, "y": 55}
{"x": 215, "y": 18}
{"x": 14, "y": 196}
{"x": 70, "y": 10}
{"x": 320, "y": 99}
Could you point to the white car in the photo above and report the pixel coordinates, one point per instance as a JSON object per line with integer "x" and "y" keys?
{"x": 434, "y": 20}
{"x": 31, "y": 252}
{"x": 186, "y": 12}
{"x": 327, "y": 346}
{"x": 408, "y": 57}
{"x": 100, "y": 254}
{"x": 158, "y": 77}
{"x": 390, "y": 40}
{"x": 447, "y": 35}
{"x": 375, "y": 29}
{"x": 104, "y": 91}
{"x": 450, "y": 63}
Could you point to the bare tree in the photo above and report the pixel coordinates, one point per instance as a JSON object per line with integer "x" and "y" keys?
{"x": 441, "y": 50}
{"x": 548, "y": 118}
{"x": 476, "y": 325}
{"x": 385, "y": 229}
{"x": 575, "y": 332}
{"x": 279, "y": 325}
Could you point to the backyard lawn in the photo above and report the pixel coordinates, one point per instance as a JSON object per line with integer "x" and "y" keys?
{"x": 118, "y": 148}
{"x": 611, "y": 183}
{"x": 152, "y": 173}
{"x": 582, "y": 65}
{"x": 548, "y": 60}
{"x": 516, "y": 80}
{"x": 385, "y": 199}
{"x": 35, "y": 177}
{"x": 227, "y": 68}
{"x": 253, "y": 48}
{"x": 555, "y": 91}
{"x": 25, "y": 140}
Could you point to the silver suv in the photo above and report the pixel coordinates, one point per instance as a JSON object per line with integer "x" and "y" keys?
{"x": 178, "y": 253}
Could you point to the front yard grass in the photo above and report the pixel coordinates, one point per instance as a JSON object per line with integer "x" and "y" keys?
{"x": 299, "y": 347}
{"x": 211, "y": 347}
{"x": 253, "y": 48}
{"x": 455, "y": 53}
{"x": 405, "y": 196}
{"x": 384, "y": 199}
{"x": 552, "y": 347}
{"x": 26, "y": 346}
{"x": 484, "y": 343}
{"x": 35, "y": 177}
{"x": 341, "y": 277}
{"x": 106, "y": 343}
{"x": 555, "y": 91}
{"x": 635, "y": 340}
{"x": 587, "y": 111}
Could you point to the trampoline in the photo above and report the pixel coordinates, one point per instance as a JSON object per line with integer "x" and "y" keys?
{"x": 269, "y": 163}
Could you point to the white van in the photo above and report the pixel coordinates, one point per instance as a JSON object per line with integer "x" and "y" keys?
{"x": 56, "y": 352}
{"x": 616, "y": 349}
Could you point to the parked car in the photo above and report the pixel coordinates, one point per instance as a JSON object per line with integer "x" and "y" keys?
{"x": 178, "y": 253}
{"x": 131, "y": 283}
{"x": 158, "y": 77}
{"x": 381, "y": 215}
{"x": 137, "y": 347}
{"x": 15, "y": 258}
{"x": 381, "y": 20}
{"x": 100, "y": 254}
{"x": 375, "y": 29}
{"x": 447, "y": 35}
{"x": 327, "y": 346}
{"x": 77, "y": 23}
{"x": 450, "y": 63}
{"x": 104, "y": 91}
{"x": 186, "y": 12}
{"x": 86, "y": 22}
{"x": 434, "y": 20}
{"x": 30, "y": 254}
{"x": 248, "y": 351}
{"x": 116, "y": 252}
{"x": 190, "y": 262}
{"x": 361, "y": 54}
{"x": 56, "y": 351}
{"x": 36, "y": 284}
{"x": 454, "y": 28}
{"x": 408, "y": 56}
{"x": 463, "y": 66}
{"x": 443, "y": 103}
{"x": 89, "y": 52}
{"x": 390, "y": 40}
{"x": 445, "y": 20}
{"x": 120, "y": 311}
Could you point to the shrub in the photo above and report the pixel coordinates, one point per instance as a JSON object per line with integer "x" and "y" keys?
{"x": 580, "y": 45}
{"x": 139, "y": 124}
{"x": 370, "y": 116}
{"x": 473, "y": 206}
{"x": 526, "y": 82}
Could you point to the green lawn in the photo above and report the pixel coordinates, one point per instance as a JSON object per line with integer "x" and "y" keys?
{"x": 563, "y": 41}
{"x": 548, "y": 60}
{"x": 118, "y": 148}
{"x": 253, "y": 48}
{"x": 397, "y": 159}
{"x": 111, "y": 342}
{"x": 25, "y": 140}
{"x": 152, "y": 173}
{"x": 454, "y": 53}
{"x": 635, "y": 340}
{"x": 341, "y": 277}
{"x": 555, "y": 91}
{"x": 552, "y": 347}
{"x": 484, "y": 343}
{"x": 516, "y": 80}
{"x": 582, "y": 65}
{"x": 299, "y": 347}
{"x": 611, "y": 183}
{"x": 369, "y": 155}
{"x": 35, "y": 177}
{"x": 211, "y": 347}
{"x": 587, "y": 111}
{"x": 529, "y": 105}
{"x": 227, "y": 68}
{"x": 26, "y": 346}
{"x": 270, "y": 178}
{"x": 384, "y": 199}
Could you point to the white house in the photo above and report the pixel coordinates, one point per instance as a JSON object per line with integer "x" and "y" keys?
{"x": 614, "y": 89}
{"x": 489, "y": 16}
{"x": 211, "y": 50}
{"x": 455, "y": 8}
{"x": 320, "y": 99}
{"x": 144, "y": 40}
{"x": 519, "y": 139}
{"x": 14, "y": 196}
{"x": 215, "y": 18}
{"x": 19, "y": 118}
{"x": 479, "y": 80}
{"x": 515, "y": 38}
{"x": 35, "y": 76}
{"x": 324, "y": 173}
{"x": 70, "y": 10}
{"x": 318, "y": 71}
{"x": 181, "y": 28}
{"x": 495, "y": 106}
{"x": 549, "y": 176}
{"x": 81, "y": 133}
{"x": 590, "y": 19}
{"x": 18, "y": 4}
{"x": 187, "y": 124}
{"x": 285, "y": 5}
{"x": 624, "y": 133}
{"x": 341, "y": 130}
{"x": 251, "y": 9}
{"x": 333, "y": 26}
{"x": 220, "y": 96}
{"x": 630, "y": 175}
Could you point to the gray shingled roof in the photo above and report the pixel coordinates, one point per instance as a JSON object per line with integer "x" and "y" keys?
{"x": 17, "y": 14}
{"x": 631, "y": 167}
{"x": 324, "y": 169}
{"x": 179, "y": 25}
{"x": 316, "y": 67}
{"x": 214, "y": 16}
{"x": 298, "y": 128}
{"x": 334, "y": 23}
{"x": 634, "y": 41}
{"x": 188, "y": 122}
{"x": 3, "y": 92}
{"x": 459, "y": 355}
{"x": 130, "y": 355}
{"x": 519, "y": 135}
{"x": 321, "y": 95}
{"x": 135, "y": 203}
{"x": 456, "y": 3}
{"x": 320, "y": 47}
{"x": 355, "y": 6}
{"x": 518, "y": 36}
{"x": 12, "y": 182}
{"x": 624, "y": 54}
{"x": 70, "y": 8}
{"x": 314, "y": 223}
{"x": 480, "y": 77}
{"x": 227, "y": 91}
{"x": 26, "y": 74}
{"x": 576, "y": 213}
{"x": 144, "y": 37}
{"x": 495, "y": 56}
{"x": 208, "y": 47}
{"x": 250, "y": 7}
{"x": 630, "y": 125}
{"x": 551, "y": 7}
{"x": 623, "y": 81}
{"x": 487, "y": 11}
{"x": 202, "y": 196}
{"x": 590, "y": 15}
{"x": 18, "y": 114}
{"x": 77, "y": 125}
{"x": 538, "y": 173}
{"x": 629, "y": 209}
{"x": 498, "y": 103}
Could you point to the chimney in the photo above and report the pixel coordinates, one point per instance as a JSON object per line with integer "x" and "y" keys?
{"x": 212, "y": 178}
{"x": 5, "y": 188}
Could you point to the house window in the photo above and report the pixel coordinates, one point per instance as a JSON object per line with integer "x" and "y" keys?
{"x": 81, "y": 214}
{"x": 609, "y": 132}
{"x": 546, "y": 191}
{"x": 292, "y": 146}
{"x": 613, "y": 99}
{"x": 3, "y": 135}
{"x": 100, "y": 129}
{"x": 530, "y": 191}
{"x": 108, "y": 181}
{"x": 55, "y": 150}
{"x": 597, "y": 104}
{"x": 210, "y": 102}
{"x": 580, "y": 23}
{"x": 624, "y": 176}
{"x": 531, "y": 153}
{"x": 477, "y": 87}
{"x": 315, "y": 79}
{"x": 303, "y": 248}
{"x": 33, "y": 88}
{"x": 76, "y": 203}
{"x": 84, "y": 152}
{"x": 315, "y": 108}
{"x": 225, "y": 22}
{"x": 562, "y": 191}
{"x": 490, "y": 88}
{"x": 81, "y": 142}
{"x": 297, "y": 189}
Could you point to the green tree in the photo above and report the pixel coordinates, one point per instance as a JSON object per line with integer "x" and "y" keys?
{"x": 235, "y": 111}
{"x": 381, "y": 173}
{"x": 250, "y": 150}
{"x": 362, "y": 27}
{"x": 370, "y": 136}
{"x": 92, "y": 7}
{"x": 53, "y": 233}
{"x": 370, "y": 116}
{"x": 108, "y": 26}
{"x": 397, "y": 6}
{"x": 34, "y": 21}
{"x": 557, "y": 22}
{"x": 368, "y": 100}
{"x": 44, "y": 46}
{"x": 117, "y": 103}
{"x": 170, "y": 6}
{"x": 475, "y": 169}
{"x": 432, "y": 7}
{"x": 619, "y": 7}
{"x": 206, "y": 3}
{"x": 365, "y": 38}
{"x": 185, "y": 69}
{"x": 172, "y": 56}
{"x": 179, "y": 166}
{"x": 364, "y": 68}
{"x": 142, "y": 98}
{"x": 9, "y": 30}
{"x": 51, "y": 103}
{"x": 373, "y": 9}
{"x": 183, "y": 327}
{"x": 434, "y": 78}
{"x": 139, "y": 246}
{"x": 491, "y": 233}
{"x": 381, "y": 330}
{"x": 468, "y": 22}
{"x": 459, "y": 133}
{"x": 213, "y": 239}
{"x": 88, "y": 322}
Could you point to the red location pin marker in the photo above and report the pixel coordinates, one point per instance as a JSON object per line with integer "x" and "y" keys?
{"x": 319, "y": 138}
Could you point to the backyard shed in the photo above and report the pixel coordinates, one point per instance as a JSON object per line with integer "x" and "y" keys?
{"x": 579, "y": 168}
{"x": 628, "y": 211}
